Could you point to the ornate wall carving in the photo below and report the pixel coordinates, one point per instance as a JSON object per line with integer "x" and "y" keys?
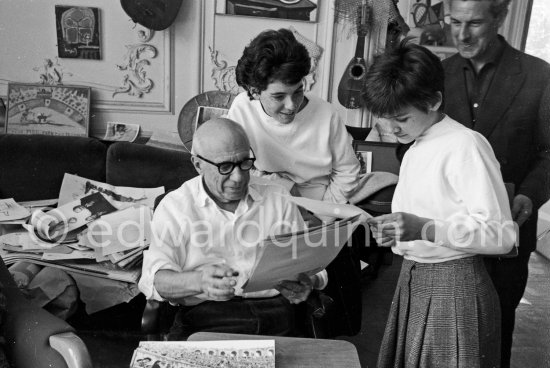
{"x": 135, "y": 81}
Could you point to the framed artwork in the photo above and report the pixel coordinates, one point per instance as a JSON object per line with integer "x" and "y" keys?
{"x": 49, "y": 110}
{"x": 377, "y": 156}
{"x": 304, "y": 10}
{"x": 77, "y": 32}
{"x": 430, "y": 23}
{"x": 121, "y": 132}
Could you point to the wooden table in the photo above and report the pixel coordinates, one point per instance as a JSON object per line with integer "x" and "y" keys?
{"x": 298, "y": 352}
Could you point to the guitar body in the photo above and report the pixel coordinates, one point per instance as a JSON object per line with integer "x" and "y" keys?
{"x": 353, "y": 80}
{"x": 351, "y": 84}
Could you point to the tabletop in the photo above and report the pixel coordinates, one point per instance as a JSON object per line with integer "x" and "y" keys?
{"x": 296, "y": 351}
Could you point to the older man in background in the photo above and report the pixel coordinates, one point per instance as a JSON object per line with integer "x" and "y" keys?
{"x": 503, "y": 93}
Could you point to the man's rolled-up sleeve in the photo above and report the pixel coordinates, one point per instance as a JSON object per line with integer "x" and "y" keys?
{"x": 166, "y": 252}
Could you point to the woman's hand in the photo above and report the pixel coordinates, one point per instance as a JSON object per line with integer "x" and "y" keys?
{"x": 400, "y": 226}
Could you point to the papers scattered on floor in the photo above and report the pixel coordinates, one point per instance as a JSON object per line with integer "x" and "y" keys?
{"x": 56, "y": 224}
{"x": 103, "y": 270}
{"x": 97, "y": 229}
{"x": 74, "y": 187}
{"x": 122, "y": 230}
{"x": 41, "y": 203}
{"x": 193, "y": 354}
{"x": 11, "y": 210}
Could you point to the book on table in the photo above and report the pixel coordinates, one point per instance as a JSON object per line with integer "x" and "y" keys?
{"x": 193, "y": 354}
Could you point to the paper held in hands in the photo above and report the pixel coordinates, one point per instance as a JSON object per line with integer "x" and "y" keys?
{"x": 285, "y": 256}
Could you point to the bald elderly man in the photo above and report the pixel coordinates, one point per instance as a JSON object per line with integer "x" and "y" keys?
{"x": 205, "y": 237}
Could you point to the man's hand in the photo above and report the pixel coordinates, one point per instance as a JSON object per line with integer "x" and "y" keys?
{"x": 215, "y": 282}
{"x": 296, "y": 291}
{"x": 400, "y": 226}
{"x": 218, "y": 281}
{"x": 522, "y": 209}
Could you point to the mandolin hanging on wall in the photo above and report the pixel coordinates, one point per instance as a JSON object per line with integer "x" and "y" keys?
{"x": 352, "y": 82}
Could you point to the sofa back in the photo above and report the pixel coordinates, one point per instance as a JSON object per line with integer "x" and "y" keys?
{"x": 32, "y": 166}
{"x": 136, "y": 165}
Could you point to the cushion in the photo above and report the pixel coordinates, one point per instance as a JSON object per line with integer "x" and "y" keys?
{"x": 136, "y": 165}
{"x": 32, "y": 166}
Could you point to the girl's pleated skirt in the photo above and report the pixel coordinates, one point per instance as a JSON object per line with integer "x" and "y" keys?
{"x": 443, "y": 315}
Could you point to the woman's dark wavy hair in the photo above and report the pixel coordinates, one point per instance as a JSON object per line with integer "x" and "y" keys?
{"x": 272, "y": 56}
{"x": 407, "y": 75}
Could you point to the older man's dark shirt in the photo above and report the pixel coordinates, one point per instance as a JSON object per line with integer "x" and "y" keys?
{"x": 478, "y": 83}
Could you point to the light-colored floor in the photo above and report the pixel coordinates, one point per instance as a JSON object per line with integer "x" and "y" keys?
{"x": 531, "y": 347}
{"x": 531, "y": 336}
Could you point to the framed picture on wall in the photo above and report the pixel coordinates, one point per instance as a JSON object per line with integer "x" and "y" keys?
{"x": 78, "y": 33}
{"x": 377, "y": 156}
{"x": 49, "y": 110}
{"x": 304, "y": 10}
{"x": 430, "y": 23}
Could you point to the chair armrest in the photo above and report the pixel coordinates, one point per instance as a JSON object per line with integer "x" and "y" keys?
{"x": 72, "y": 348}
{"x": 28, "y": 327}
{"x": 318, "y": 304}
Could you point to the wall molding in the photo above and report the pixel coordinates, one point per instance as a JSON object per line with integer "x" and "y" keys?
{"x": 164, "y": 83}
{"x": 102, "y": 93}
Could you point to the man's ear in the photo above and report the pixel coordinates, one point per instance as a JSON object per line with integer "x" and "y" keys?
{"x": 196, "y": 163}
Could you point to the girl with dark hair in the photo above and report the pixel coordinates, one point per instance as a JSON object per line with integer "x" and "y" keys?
{"x": 301, "y": 143}
{"x": 299, "y": 139}
{"x": 449, "y": 206}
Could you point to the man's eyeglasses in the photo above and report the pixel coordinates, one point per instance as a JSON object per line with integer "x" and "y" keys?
{"x": 227, "y": 167}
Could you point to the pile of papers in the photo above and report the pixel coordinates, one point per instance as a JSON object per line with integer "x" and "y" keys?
{"x": 96, "y": 228}
{"x": 12, "y": 213}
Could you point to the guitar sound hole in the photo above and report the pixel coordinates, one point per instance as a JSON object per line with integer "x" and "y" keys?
{"x": 357, "y": 71}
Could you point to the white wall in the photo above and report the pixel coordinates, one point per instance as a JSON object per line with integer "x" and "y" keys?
{"x": 28, "y": 36}
{"x": 180, "y": 70}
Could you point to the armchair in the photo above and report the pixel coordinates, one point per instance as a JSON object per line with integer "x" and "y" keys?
{"x": 36, "y": 338}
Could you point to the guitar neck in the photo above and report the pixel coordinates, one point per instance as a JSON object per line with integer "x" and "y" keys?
{"x": 361, "y": 33}
{"x": 360, "y": 48}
